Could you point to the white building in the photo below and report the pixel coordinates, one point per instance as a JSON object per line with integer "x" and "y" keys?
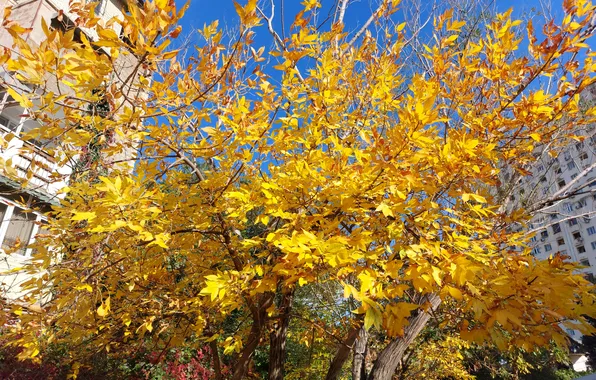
{"x": 560, "y": 190}
{"x": 18, "y": 223}
{"x": 568, "y": 224}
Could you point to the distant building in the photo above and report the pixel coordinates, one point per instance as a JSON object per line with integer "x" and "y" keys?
{"x": 561, "y": 187}
{"x": 568, "y": 224}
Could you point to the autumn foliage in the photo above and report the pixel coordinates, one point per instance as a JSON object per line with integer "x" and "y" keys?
{"x": 320, "y": 164}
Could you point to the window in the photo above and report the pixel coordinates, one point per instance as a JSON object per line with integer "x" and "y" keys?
{"x": 533, "y": 239}
{"x": 19, "y": 229}
{"x": 571, "y": 165}
{"x": 585, "y": 262}
{"x": 592, "y": 182}
{"x": 8, "y": 124}
{"x": 591, "y": 230}
{"x": 2, "y": 211}
{"x": 579, "y": 146}
{"x": 593, "y": 244}
{"x": 583, "y": 156}
{"x": 100, "y": 9}
{"x": 582, "y": 203}
{"x": 567, "y": 207}
{"x": 536, "y": 251}
{"x": 564, "y": 252}
{"x": 543, "y": 235}
{"x": 577, "y": 235}
{"x": 540, "y": 168}
{"x": 556, "y": 228}
{"x": 572, "y": 222}
{"x": 561, "y": 183}
{"x": 61, "y": 22}
{"x": 42, "y": 231}
{"x": 548, "y": 247}
{"x": 558, "y": 170}
{"x": 561, "y": 241}
{"x": 574, "y": 175}
{"x": 581, "y": 249}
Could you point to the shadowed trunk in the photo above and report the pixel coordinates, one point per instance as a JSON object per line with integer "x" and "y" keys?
{"x": 389, "y": 359}
{"x": 277, "y": 349}
{"x": 359, "y": 361}
{"x": 342, "y": 354}
{"x": 216, "y": 362}
{"x": 259, "y": 315}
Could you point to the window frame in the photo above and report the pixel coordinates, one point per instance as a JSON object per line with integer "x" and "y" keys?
{"x": 4, "y": 224}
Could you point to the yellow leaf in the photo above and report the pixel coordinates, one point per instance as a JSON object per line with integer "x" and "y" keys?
{"x": 21, "y": 99}
{"x": 86, "y": 287}
{"x": 104, "y": 308}
{"x": 83, "y": 215}
{"x": 385, "y": 209}
{"x": 436, "y": 273}
{"x": 455, "y": 293}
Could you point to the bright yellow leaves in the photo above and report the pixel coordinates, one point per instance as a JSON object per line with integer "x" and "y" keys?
{"x": 104, "y": 308}
{"x": 396, "y": 317}
{"x": 78, "y": 215}
{"x": 350, "y": 173}
{"x": 216, "y": 287}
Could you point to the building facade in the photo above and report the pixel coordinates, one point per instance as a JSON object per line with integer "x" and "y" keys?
{"x": 560, "y": 191}
{"x": 568, "y": 223}
{"x": 22, "y": 208}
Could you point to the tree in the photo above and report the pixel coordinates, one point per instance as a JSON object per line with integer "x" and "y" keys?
{"x": 326, "y": 161}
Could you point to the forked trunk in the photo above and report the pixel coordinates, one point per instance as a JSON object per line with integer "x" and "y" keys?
{"x": 342, "y": 354}
{"x": 259, "y": 316}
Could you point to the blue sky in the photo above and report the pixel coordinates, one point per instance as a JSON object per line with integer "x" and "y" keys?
{"x": 206, "y": 11}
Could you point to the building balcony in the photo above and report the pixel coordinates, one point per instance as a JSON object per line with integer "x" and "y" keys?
{"x": 30, "y": 159}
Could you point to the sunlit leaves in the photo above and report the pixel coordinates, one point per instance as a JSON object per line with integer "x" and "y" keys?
{"x": 240, "y": 173}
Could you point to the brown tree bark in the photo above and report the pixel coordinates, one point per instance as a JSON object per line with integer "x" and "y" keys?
{"x": 389, "y": 359}
{"x": 342, "y": 354}
{"x": 277, "y": 349}
{"x": 259, "y": 316}
{"x": 359, "y": 360}
{"x": 215, "y": 357}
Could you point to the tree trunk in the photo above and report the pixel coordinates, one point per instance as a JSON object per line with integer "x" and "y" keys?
{"x": 389, "y": 359}
{"x": 215, "y": 357}
{"x": 259, "y": 315}
{"x": 277, "y": 349}
{"x": 342, "y": 355}
{"x": 359, "y": 360}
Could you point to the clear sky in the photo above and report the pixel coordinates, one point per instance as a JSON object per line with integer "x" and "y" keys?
{"x": 206, "y": 11}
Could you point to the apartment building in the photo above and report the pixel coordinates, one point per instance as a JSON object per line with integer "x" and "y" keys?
{"x": 568, "y": 224}
{"x": 560, "y": 191}
{"x": 45, "y": 177}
